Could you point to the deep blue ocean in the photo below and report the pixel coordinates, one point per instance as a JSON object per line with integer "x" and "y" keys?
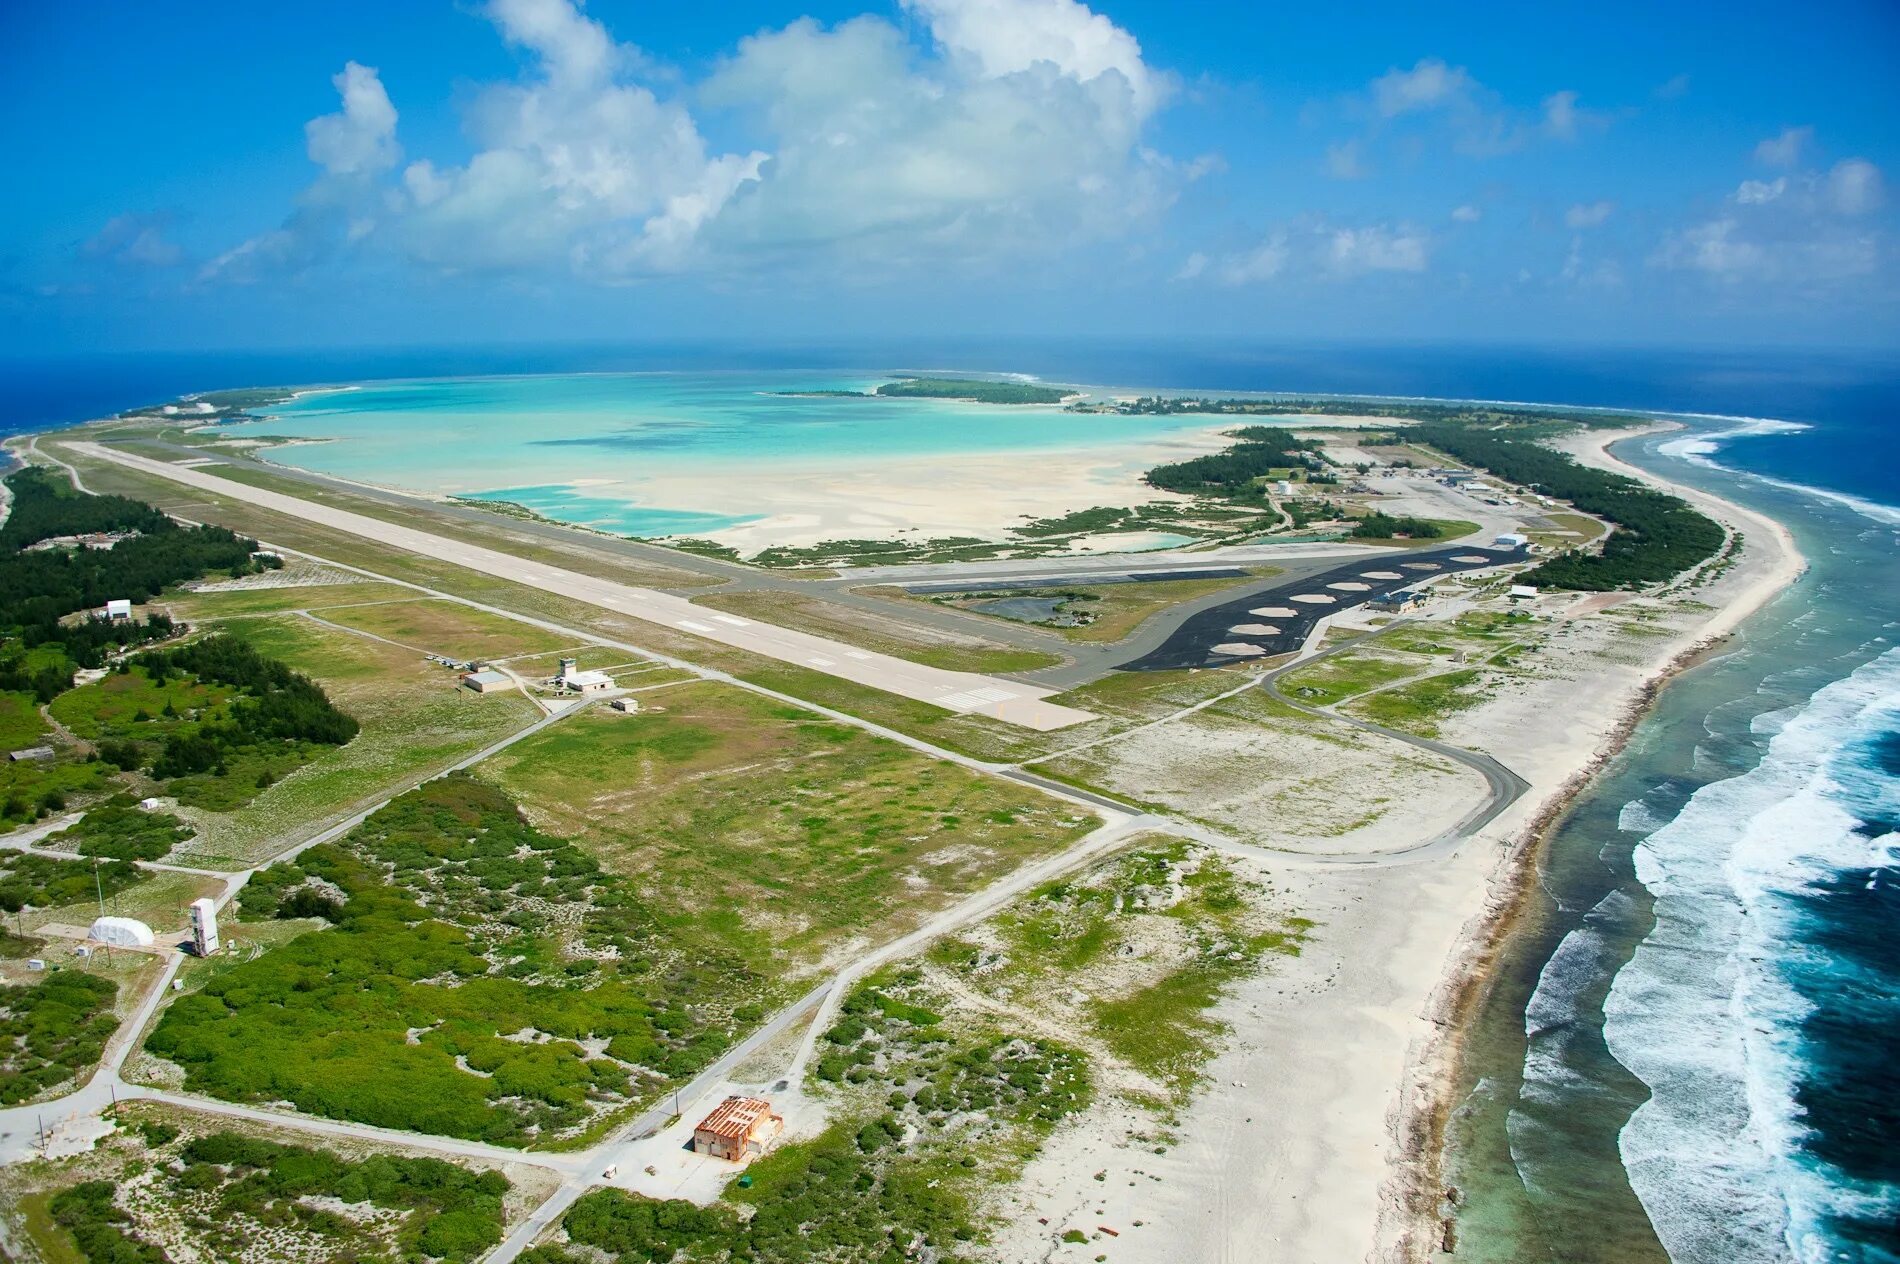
{"x": 1695, "y": 1051}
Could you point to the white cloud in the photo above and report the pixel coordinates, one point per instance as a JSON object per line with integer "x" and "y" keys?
{"x": 1007, "y": 36}
{"x": 136, "y": 241}
{"x": 1379, "y": 248}
{"x": 1733, "y": 252}
{"x": 1259, "y": 263}
{"x": 1672, "y": 89}
{"x": 1344, "y": 162}
{"x": 1761, "y": 192}
{"x": 1561, "y": 114}
{"x": 1428, "y": 85}
{"x": 1191, "y": 267}
{"x": 1314, "y": 248}
{"x": 985, "y": 151}
{"x": 1785, "y": 149}
{"x": 361, "y": 138}
{"x": 1588, "y": 215}
{"x": 1854, "y": 187}
{"x": 1467, "y": 214}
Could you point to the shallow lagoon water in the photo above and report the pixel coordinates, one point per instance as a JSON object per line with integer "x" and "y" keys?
{"x": 576, "y": 446}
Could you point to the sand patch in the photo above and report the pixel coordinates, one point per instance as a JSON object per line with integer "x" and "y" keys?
{"x": 1316, "y": 599}
{"x": 1255, "y": 629}
{"x": 1380, "y": 575}
{"x": 1239, "y": 649}
{"x": 1349, "y": 585}
{"x": 1276, "y": 612}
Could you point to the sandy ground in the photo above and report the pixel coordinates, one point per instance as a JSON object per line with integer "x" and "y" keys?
{"x": 1296, "y": 1150}
{"x": 972, "y": 494}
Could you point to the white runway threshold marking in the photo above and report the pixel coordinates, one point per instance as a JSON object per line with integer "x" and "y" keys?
{"x": 1010, "y": 701}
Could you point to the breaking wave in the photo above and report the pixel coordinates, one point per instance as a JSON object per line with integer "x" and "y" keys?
{"x": 1763, "y": 1008}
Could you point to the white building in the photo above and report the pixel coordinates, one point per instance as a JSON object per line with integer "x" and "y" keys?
{"x": 573, "y": 678}
{"x": 487, "y": 681}
{"x": 1523, "y": 592}
{"x": 204, "y": 927}
{"x": 121, "y": 932}
{"x": 629, "y": 705}
{"x": 1511, "y": 540}
{"x": 119, "y": 608}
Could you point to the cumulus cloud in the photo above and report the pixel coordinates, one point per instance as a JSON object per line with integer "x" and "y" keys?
{"x": 1854, "y": 187}
{"x": 1588, "y": 215}
{"x": 1784, "y": 149}
{"x": 1564, "y": 119}
{"x": 1808, "y": 229}
{"x": 1467, "y": 214}
{"x": 990, "y": 147}
{"x": 135, "y": 240}
{"x": 1020, "y": 126}
{"x": 361, "y": 137}
{"x": 1431, "y": 84}
{"x": 1316, "y": 249}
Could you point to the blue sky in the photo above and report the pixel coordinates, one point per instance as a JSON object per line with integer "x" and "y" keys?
{"x": 242, "y": 175}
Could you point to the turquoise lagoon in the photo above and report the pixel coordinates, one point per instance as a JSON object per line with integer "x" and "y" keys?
{"x": 575, "y": 447}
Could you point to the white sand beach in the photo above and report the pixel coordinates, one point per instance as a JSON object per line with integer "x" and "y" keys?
{"x": 1314, "y": 1140}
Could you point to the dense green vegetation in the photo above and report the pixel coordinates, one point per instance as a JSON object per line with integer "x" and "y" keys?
{"x": 939, "y": 1115}
{"x": 965, "y": 388}
{"x": 1657, "y": 536}
{"x": 1380, "y": 526}
{"x": 275, "y": 707}
{"x": 1235, "y": 473}
{"x": 52, "y": 1030}
{"x": 1464, "y": 414}
{"x": 470, "y": 956}
{"x": 121, "y": 830}
{"x": 233, "y": 1189}
{"x": 39, "y": 588}
{"x": 32, "y": 881}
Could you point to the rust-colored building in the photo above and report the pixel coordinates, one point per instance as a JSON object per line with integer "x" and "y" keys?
{"x": 737, "y": 1129}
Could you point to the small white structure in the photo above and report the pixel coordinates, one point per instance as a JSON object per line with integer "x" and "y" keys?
{"x": 122, "y": 932}
{"x": 1511, "y": 540}
{"x": 36, "y": 963}
{"x": 630, "y": 706}
{"x": 1283, "y": 488}
{"x": 204, "y": 927}
{"x": 151, "y": 805}
{"x": 119, "y": 608}
{"x": 1523, "y": 592}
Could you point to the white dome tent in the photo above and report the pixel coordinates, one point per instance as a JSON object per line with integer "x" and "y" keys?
{"x": 122, "y": 932}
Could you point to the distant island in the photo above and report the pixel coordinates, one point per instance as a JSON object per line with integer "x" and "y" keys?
{"x": 973, "y": 391}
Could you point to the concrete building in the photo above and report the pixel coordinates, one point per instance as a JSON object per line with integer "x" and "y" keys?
{"x": 487, "y": 681}
{"x": 1399, "y": 599}
{"x": 1523, "y": 592}
{"x": 1511, "y": 540}
{"x": 738, "y": 1129}
{"x": 119, "y": 608}
{"x": 577, "y": 681}
{"x": 122, "y": 932}
{"x": 204, "y": 927}
{"x": 630, "y": 706}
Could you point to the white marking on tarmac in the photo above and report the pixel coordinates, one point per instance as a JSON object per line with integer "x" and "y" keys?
{"x": 737, "y": 623}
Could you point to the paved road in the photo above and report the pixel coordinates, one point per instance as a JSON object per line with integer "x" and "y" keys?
{"x": 581, "y": 1169}
{"x": 1502, "y": 786}
{"x": 1011, "y": 701}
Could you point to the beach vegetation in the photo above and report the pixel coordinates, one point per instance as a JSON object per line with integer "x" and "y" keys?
{"x": 52, "y": 1030}
{"x": 476, "y": 977}
{"x": 977, "y": 391}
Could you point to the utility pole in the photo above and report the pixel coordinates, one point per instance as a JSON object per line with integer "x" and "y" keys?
{"x": 97, "y": 886}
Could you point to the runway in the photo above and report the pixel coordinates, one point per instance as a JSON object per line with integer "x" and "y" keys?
{"x": 1011, "y": 701}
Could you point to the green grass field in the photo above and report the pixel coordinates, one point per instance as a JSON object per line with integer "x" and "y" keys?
{"x": 885, "y": 634}
{"x": 765, "y": 827}
{"x": 197, "y": 607}
{"x": 445, "y": 627}
{"x": 1346, "y": 675}
{"x": 415, "y": 717}
{"x": 1419, "y": 706}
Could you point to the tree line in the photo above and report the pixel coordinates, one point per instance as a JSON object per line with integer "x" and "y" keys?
{"x": 1656, "y": 537}
{"x": 279, "y": 705}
